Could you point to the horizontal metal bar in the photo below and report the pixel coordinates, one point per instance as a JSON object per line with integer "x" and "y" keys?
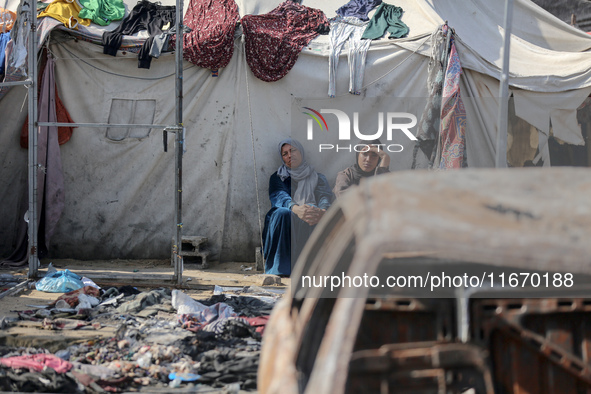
{"x": 26, "y": 82}
{"x": 59, "y": 124}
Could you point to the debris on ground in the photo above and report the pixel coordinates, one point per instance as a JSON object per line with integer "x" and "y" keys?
{"x": 163, "y": 340}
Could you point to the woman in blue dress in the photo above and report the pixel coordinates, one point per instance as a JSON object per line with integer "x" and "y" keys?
{"x": 299, "y": 197}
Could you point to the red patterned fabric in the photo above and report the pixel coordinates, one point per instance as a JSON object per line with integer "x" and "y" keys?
{"x": 274, "y": 41}
{"x": 211, "y": 43}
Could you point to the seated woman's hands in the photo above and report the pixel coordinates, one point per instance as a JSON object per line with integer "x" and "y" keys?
{"x": 308, "y": 213}
{"x": 384, "y": 159}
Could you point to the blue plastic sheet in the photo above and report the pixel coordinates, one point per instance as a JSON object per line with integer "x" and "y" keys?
{"x": 59, "y": 282}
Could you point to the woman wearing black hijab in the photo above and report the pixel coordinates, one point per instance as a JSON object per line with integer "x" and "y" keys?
{"x": 369, "y": 161}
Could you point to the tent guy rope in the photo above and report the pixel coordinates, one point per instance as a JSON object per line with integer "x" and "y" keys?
{"x": 256, "y": 179}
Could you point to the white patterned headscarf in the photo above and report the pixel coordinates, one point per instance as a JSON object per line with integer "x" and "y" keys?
{"x": 304, "y": 175}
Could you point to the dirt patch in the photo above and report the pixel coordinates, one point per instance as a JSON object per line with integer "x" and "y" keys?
{"x": 24, "y": 300}
{"x": 143, "y": 274}
{"x": 221, "y": 274}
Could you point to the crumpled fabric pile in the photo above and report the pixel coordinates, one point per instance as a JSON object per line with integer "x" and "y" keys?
{"x": 163, "y": 339}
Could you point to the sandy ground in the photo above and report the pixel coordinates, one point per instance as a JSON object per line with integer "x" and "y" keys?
{"x": 143, "y": 274}
{"x": 221, "y": 274}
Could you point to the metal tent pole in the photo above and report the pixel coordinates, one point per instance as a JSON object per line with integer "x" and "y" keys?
{"x": 501, "y": 150}
{"x": 33, "y": 162}
{"x": 180, "y": 144}
{"x": 31, "y": 83}
{"x": 110, "y": 125}
{"x": 26, "y": 82}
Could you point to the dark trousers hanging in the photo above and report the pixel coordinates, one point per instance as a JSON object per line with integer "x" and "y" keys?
{"x": 144, "y": 16}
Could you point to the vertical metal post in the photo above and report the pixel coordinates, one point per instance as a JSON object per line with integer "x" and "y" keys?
{"x": 33, "y": 159}
{"x": 501, "y": 151}
{"x": 463, "y": 315}
{"x": 180, "y": 142}
{"x": 33, "y": 124}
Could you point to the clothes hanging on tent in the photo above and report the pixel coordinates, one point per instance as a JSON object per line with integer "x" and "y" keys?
{"x": 102, "y": 12}
{"x": 386, "y": 18}
{"x": 428, "y": 126}
{"x": 273, "y": 41}
{"x": 144, "y": 16}
{"x": 64, "y": 133}
{"x": 442, "y": 127}
{"x": 65, "y": 11}
{"x": 160, "y": 44}
{"x": 347, "y": 29}
{"x": 210, "y": 44}
{"x": 50, "y": 181}
{"x": 358, "y": 8}
{"x": 453, "y": 116}
{"x": 4, "y": 38}
{"x": 15, "y": 61}
{"x": 41, "y": 6}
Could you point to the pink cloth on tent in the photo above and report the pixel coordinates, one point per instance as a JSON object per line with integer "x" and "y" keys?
{"x": 453, "y": 116}
{"x": 37, "y": 362}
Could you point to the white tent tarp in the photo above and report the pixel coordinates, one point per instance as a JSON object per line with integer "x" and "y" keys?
{"x": 120, "y": 191}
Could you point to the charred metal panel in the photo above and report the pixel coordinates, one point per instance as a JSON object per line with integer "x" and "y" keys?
{"x": 564, "y": 322}
{"x": 402, "y": 320}
{"x": 525, "y": 362}
{"x": 424, "y": 367}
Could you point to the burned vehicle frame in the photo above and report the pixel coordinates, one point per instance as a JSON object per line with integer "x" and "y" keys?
{"x": 523, "y": 331}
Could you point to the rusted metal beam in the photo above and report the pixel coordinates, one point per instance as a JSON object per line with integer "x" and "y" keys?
{"x": 516, "y": 351}
{"x": 405, "y": 366}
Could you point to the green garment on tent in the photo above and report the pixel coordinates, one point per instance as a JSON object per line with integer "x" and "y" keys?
{"x": 102, "y": 12}
{"x": 387, "y": 17}
{"x": 41, "y": 6}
